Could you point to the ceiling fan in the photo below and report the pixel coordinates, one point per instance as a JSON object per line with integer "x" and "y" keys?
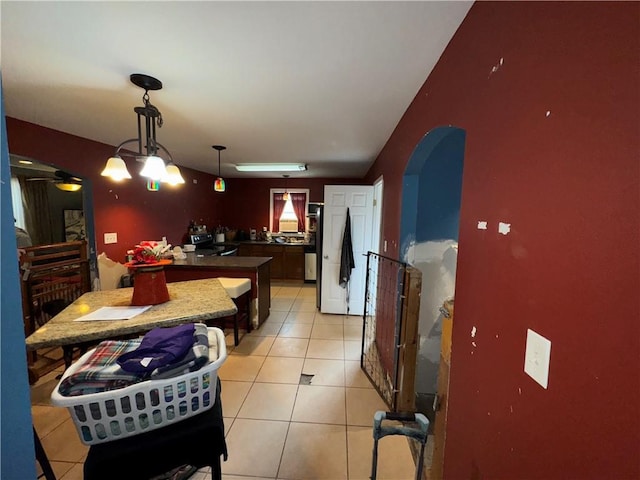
{"x": 62, "y": 180}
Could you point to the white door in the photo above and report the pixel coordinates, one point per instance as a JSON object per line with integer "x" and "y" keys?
{"x": 378, "y": 187}
{"x": 359, "y": 200}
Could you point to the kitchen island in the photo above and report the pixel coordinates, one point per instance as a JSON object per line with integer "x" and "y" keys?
{"x": 257, "y": 269}
{"x": 287, "y": 257}
{"x": 189, "y": 302}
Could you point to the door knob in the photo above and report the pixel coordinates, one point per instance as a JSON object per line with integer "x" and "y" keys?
{"x": 326, "y": 257}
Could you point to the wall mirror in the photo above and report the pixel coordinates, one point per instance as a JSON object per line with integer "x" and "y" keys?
{"x": 53, "y": 205}
{"x": 48, "y": 202}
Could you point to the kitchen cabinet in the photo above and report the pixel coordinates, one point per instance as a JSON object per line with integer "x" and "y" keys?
{"x": 277, "y": 253}
{"x": 294, "y": 263}
{"x": 287, "y": 260}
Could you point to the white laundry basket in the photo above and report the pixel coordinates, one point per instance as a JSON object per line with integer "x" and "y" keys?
{"x": 142, "y": 407}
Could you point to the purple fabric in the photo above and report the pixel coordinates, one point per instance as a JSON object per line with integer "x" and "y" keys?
{"x": 162, "y": 346}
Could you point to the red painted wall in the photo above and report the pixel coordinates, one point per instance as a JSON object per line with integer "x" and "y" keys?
{"x": 126, "y": 208}
{"x": 246, "y": 203}
{"x": 552, "y": 148}
{"x": 136, "y": 214}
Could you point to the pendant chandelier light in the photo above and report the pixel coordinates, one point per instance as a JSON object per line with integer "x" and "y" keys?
{"x": 154, "y": 168}
{"x": 285, "y": 195}
{"x": 219, "y": 185}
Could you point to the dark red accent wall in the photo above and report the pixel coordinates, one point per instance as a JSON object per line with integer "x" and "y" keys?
{"x": 126, "y": 208}
{"x": 135, "y": 213}
{"x": 552, "y": 144}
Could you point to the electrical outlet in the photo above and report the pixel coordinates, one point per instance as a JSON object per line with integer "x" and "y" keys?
{"x": 110, "y": 238}
{"x": 537, "y": 357}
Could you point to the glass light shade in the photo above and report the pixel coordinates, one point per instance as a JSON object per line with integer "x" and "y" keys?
{"x": 173, "y": 176}
{"x": 116, "y": 169}
{"x": 153, "y": 185}
{"x": 154, "y": 168}
{"x": 68, "y": 187}
{"x": 219, "y": 185}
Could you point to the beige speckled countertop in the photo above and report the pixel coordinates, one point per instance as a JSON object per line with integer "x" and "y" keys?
{"x": 192, "y": 301}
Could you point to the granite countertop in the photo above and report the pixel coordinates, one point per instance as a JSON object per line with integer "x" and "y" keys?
{"x": 188, "y": 304}
{"x": 286, "y": 244}
{"x": 236, "y": 243}
{"x": 232, "y": 262}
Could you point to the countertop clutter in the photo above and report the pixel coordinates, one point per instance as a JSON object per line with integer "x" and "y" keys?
{"x": 265, "y": 242}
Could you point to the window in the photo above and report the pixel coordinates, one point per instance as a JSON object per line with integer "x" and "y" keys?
{"x": 288, "y": 221}
{"x": 18, "y": 207}
{"x": 295, "y": 209}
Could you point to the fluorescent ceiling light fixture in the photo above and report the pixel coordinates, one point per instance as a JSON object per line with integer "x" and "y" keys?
{"x": 271, "y": 167}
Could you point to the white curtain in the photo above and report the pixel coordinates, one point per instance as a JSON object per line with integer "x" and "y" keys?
{"x": 16, "y": 200}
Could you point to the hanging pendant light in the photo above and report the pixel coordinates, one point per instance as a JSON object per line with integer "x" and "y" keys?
{"x": 154, "y": 168}
{"x": 285, "y": 195}
{"x": 219, "y": 185}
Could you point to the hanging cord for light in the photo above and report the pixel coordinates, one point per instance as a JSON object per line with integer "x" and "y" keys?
{"x": 285, "y": 195}
{"x": 218, "y": 184}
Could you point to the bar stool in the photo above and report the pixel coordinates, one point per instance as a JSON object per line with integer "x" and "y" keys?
{"x": 239, "y": 289}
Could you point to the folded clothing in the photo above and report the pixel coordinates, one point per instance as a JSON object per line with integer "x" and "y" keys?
{"x": 101, "y": 372}
{"x": 195, "y": 358}
{"x": 159, "y": 347}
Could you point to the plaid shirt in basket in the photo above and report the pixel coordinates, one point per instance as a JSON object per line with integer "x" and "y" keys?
{"x": 101, "y": 372}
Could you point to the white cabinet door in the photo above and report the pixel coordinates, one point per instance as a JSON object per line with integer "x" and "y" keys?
{"x": 359, "y": 200}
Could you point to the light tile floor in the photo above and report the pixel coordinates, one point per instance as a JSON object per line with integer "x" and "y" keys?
{"x": 276, "y": 427}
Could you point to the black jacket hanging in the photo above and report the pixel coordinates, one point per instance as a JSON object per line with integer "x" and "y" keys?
{"x": 347, "y": 262}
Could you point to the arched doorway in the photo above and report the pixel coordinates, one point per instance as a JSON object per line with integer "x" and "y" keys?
{"x": 431, "y": 197}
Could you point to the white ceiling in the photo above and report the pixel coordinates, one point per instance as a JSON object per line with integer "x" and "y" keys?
{"x": 323, "y": 83}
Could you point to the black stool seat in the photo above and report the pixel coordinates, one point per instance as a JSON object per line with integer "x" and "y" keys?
{"x": 197, "y": 441}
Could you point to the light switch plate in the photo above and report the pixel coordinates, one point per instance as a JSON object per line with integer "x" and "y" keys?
{"x": 537, "y": 357}
{"x": 110, "y": 238}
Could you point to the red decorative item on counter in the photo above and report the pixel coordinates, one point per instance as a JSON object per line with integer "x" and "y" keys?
{"x": 146, "y": 253}
{"x": 149, "y": 281}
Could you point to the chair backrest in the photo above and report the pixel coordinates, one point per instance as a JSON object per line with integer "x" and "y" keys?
{"x": 53, "y": 276}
